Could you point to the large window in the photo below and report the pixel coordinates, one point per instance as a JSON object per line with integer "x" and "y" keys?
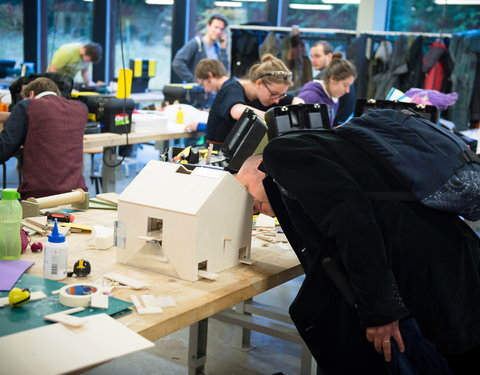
{"x": 333, "y": 14}
{"x": 11, "y": 31}
{"x": 69, "y": 21}
{"x": 146, "y": 31}
{"x": 433, "y": 15}
{"x": 235, "y": 11}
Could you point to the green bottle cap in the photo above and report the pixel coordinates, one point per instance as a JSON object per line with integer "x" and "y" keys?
{"x": 10, "y": 194}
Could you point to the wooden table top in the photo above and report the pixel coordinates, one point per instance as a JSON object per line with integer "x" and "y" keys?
{"x": 172, "y": 131}
{"x": 195, "y": 301}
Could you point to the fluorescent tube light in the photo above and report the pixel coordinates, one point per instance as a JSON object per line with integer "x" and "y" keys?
{"x": 252, "y": 1}
{"x": 457, "y": 2}
{"x": 159, "y": 2}
{"x": 232, "y": 4}
{"x": 341, "y": 1}
{"x": 310, "y": 6}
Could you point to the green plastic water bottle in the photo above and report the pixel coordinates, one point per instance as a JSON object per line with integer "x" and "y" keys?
{"x": 10, "y": 219}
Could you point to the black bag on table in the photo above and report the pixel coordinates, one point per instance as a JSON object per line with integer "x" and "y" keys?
{"x": 243, "y": 140}
{"x": 428, "y": 112}
{"x": 64, "y": 83}
{"x": 287, "y": 118}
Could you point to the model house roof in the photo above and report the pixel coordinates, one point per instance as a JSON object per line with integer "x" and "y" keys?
{"x": 172, "y": 187}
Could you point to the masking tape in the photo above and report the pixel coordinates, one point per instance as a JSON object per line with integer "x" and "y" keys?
{"x": 77, "y": 295}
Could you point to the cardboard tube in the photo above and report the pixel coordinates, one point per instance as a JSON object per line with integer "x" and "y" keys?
{"x": 76, "y": 196}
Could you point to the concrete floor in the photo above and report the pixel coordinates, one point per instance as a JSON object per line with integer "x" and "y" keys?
{"x": 267, "y": 355}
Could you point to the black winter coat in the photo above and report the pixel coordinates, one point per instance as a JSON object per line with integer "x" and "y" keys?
{"x": 402, "y": 259}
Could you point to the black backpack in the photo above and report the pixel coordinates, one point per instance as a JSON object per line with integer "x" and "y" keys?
{"x": 64, "y": 83}
{"x": 435, "y": 166}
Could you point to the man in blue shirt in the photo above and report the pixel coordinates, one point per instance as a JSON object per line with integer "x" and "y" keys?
{"x": 212, "y": 45}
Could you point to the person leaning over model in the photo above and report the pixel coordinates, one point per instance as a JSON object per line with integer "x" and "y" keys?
{"x": 336, "y": 80}
{"x": 264, "y": 87}
{"x": 50, "y": 128}
{"x": 72, "y": 58}
{"x": 212, "y": 45}
{"x": 404, "y": 262}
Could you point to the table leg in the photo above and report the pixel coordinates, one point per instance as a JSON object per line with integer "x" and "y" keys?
{"x": 110, "y": 174}
{"x": 243, "y": 335}
{"x": 197, "y": 347}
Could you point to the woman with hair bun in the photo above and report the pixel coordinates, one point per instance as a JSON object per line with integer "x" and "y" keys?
{"x": 264, "y": 87}
{"x": 336, "y": 81}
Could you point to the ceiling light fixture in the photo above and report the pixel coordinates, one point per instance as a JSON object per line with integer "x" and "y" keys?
{"x": 341, "y": 1}
{"x": 457, "y": 2}
{"x": 159, "y": 2}
{"x": 310, "y": 6}
{"x": 232, "y": 4}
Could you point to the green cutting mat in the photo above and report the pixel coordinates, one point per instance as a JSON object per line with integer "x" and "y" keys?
{"x": 30, "y": 315}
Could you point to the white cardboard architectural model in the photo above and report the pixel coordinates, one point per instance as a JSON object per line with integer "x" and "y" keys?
{"x": 179, "y": 223}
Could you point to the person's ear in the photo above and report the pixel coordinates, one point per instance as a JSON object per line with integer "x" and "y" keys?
{"x": 31, "y": 94}
{"x": 260, "y": 161}
{"x": 258, "y": 83}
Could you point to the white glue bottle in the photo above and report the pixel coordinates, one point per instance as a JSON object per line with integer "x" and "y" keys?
{"x": 55, "y": 255}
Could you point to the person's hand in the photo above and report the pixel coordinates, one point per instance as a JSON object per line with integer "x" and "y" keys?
{"x": 223, "y": 40}
{"x": 192, "y": 127}
{"x": 99, "y": 83}
{"x": 381, "y": 337}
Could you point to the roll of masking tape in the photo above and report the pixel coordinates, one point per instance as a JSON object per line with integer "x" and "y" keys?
{"x": 77, "y": 295}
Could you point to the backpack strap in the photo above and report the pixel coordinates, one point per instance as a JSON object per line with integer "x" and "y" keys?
{"x": 468, "y": 156}
{"x": 391, "y": 196}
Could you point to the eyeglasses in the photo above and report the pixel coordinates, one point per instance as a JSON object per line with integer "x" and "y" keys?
{"x": 281, "y": 74}
{"x": 273, "y": 95}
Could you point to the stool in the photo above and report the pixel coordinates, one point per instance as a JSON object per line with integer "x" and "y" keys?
{"x": 95, "y": 176}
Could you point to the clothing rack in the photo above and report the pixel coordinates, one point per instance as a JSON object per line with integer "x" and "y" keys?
{"x": 307, "y": 30}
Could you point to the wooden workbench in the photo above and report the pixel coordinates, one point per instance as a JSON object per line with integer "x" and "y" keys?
{"x": 172, "y": 131}
{"x": 194, "y": 300}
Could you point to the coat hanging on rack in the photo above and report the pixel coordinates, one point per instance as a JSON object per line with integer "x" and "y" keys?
{"x": 415, "y": 76}
{"x": 296, "y": 62}
{"x": 436, "y": 66}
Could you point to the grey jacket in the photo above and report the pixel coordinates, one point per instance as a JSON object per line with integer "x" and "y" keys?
{"x": 187, "y": 58}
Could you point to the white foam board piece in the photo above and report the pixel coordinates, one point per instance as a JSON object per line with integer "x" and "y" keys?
{"x": 57, "y": 349}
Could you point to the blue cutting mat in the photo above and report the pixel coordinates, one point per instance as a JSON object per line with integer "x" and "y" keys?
{"x": 30, "y": 315}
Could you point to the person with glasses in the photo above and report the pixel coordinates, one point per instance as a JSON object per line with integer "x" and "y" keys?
{"x": 264, "y": 87}
{"x": 336, "y": 81}
{"x": 72, "y": 58}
